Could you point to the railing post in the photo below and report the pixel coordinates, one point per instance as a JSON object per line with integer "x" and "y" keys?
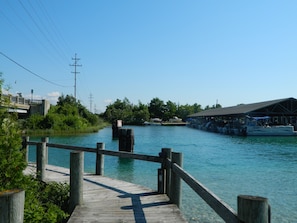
{"x": 100, "y": 159}
{"x": 161, "y": 180}
{"x": 40, "y": 160}
{"x": 76, "y": 179}
{"x": 175, "y": 193}
{"x": 45, "y": 140}
{"x": 167, "y": 154}
{"x": 12, "y": 206}
{"x": 253, "y": 209}
{"x": 25, "y": 147}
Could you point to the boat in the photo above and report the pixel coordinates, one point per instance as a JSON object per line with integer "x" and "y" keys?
{"x": 259, "y": 126}
{"x": 154, "y": 121}
{"x": 175, "y": 121}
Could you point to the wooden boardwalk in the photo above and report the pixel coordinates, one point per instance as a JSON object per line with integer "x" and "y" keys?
{"x": 109, "y": 200}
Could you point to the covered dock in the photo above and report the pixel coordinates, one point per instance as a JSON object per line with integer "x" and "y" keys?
{"x": 275, "y": 117}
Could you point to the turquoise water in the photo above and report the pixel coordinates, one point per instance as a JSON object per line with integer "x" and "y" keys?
{"x": 228, "y": 166}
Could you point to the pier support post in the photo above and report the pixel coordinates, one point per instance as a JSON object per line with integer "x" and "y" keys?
{"x": 126, "y": 140}
{"x": 100, "y": 159}
{"x": 116, "y": 126}
{"x": 253, "y": 209}
{"x": 12, "y": 206}
{"x": 25, "y": 147}
{"x": 40, "y": 160}
{"x": 76, "y": 179}
{"x": 175, "y": 193}
{"x": 161, "y": 180}
{"x": 45, "y": 140}
{"x": 167, "y": 154}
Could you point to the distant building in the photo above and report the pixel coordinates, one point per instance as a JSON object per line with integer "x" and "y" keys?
{"x": 24, "y": 107}
{"x": 275, "y": 117}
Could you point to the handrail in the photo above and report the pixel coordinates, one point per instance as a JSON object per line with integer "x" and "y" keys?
{"x": 219, "y": 206}
{"x": 169, "y": 181}
{"x": 120, "y": 154}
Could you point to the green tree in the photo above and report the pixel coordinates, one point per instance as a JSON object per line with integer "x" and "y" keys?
{"x": 184, "y": 110}
{"x": 157, "y": 108}
{"x": 171, "y": 110}
{"x": 212, "y": 107}
{"x": 119, "y": 110}
{"x": 67, "y": 115}
{"x": 140, "y": 113}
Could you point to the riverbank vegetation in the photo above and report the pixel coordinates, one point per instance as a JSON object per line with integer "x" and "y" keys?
{"x": 157, "y": 108}
{"x": 43, "y": 202}
{"x": 68, "y": 116}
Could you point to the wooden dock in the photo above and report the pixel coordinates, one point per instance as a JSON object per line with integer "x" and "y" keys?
{"x": 109, "y": 200}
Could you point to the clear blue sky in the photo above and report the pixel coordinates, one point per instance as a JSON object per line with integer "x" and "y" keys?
{"x": 192, "y": 51}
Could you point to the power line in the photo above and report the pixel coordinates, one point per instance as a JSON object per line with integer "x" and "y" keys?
{"x": 39, "y": 76}
{"x": 75, "y": 72}
{"x": 39, "y": 27}
{"x": 55, "y": 28}
{"x": 27, "y": 30}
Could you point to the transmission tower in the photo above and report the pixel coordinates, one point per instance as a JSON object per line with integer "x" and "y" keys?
{"x": 91, "y": 101}
{"x": 75, "y": 64}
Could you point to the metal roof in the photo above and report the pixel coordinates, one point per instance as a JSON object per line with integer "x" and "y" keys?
{"x": 241, "y": 109}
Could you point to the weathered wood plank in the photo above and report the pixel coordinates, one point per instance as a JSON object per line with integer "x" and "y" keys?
{"x": 107, "y": 200}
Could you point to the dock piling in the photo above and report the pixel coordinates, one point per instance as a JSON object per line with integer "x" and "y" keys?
{"x": 76, "y": 179}
{"x": 253, "y": 209}
{"x": 126, "y": 140}
{"x": 175, "y": 193}
{"x": 41, "y": 160}
{"x": 45, "y": 140}
{"x": 116, "y": 126}
{"x": 25, "y": 147}
{"x": 100, "y": 159}
{"x": 12, "y": 206}
{"x": 167, "y": 154}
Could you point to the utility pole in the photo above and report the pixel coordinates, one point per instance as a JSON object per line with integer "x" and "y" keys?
{"x": 75, "y": 64}
{"x": 91, "y": 101}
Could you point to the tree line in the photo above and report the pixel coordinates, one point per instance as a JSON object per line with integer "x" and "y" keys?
{"x": 67, "y": 116}
{"x": 137, "y": 114}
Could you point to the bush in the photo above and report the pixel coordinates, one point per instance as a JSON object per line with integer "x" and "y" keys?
{"x": 46, "y": 203}
{"x": 12, "y": 159}
{"x": 68, "y": 116}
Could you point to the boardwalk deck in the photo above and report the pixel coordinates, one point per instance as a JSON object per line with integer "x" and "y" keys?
{"x": 109, "y": 200}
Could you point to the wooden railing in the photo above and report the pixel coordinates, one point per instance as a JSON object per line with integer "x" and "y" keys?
{"x": 170, "y": 174}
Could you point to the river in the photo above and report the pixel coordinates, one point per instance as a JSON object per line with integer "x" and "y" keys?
{"x": 227, "y": 165}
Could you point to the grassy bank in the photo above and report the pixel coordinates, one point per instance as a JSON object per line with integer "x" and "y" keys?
{"x": 52, "y": 132}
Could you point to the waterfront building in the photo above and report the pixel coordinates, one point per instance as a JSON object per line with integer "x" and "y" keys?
{"x": 275, "y": 117}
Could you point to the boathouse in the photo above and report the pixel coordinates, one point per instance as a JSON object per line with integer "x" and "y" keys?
{"x": 260, "y": 118}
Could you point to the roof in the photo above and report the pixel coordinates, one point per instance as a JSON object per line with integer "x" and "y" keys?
{"x": 248, "y": 108}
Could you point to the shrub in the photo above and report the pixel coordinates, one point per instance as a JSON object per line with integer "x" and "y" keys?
{"x": 12, "y": 159}
{"x": 46, "y": 203}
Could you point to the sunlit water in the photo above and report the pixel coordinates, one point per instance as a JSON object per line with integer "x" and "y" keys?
{"x": 228, "y": 166}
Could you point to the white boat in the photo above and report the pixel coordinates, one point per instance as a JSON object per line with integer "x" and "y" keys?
{"x": 154, "y": 121}
{"x": 258, "y": 126}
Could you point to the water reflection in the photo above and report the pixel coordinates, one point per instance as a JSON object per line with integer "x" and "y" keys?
{"x": 125, "y": 169}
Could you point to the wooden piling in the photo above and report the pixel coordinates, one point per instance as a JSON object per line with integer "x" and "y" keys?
{"x": 25, "y": 147}
{"x": 175, "y": 193}
{"x": 41, "y": 160}
{"x": 76, "y": 179}
{"x": 45, "y": 140}
{"x": 116, "y": 126}
{"x": 161, "y": 180}
{"x": 100, "y": 159}
{"x": 126, "y": 140}
{"x": 253, "y": 209}
{"x": 167, "y": 154}
{"x": 12, "y": 206}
